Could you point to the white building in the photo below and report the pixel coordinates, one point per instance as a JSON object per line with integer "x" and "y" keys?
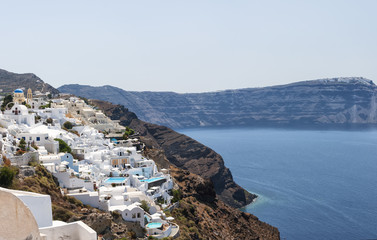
{"x": 131, "y": 213}
{"x": 20, "y": 115}
{"x": 28, "y": 215}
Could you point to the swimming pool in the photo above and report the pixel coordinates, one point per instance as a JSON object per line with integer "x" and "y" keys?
{"x": 154, "y": 225}
{"x": 150, "y": 180}
{"x": 115, "y": 180}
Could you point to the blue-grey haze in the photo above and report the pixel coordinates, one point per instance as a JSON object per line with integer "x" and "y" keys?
{"x": 311, "y": 184}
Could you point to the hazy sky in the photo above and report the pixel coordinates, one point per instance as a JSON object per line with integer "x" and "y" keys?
{"x": 188, "y": 46}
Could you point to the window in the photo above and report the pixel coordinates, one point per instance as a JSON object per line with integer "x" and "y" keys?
{"x": 133, "y": 215}
{"x": 30, "y": 138}
{"x": 46, "y": 138}
{"x": 23, "y": 138}
{"x": 138, "y": 215}
{"x": 38, "y": 139}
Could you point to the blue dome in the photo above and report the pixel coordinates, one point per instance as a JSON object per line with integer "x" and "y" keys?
{"x": 18, "y": 91}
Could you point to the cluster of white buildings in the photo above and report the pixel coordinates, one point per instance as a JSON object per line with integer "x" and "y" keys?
{"x": 97, "y": 171}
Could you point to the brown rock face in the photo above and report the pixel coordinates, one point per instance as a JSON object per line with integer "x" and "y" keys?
{"x": 202, "y": 216}
{"x": 186, "y": 153}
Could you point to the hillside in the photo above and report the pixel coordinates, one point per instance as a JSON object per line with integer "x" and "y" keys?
{"x": 209, "y": 194}
{"x": 10, "y": 81}
{"x": 206, "y": 184}
{"x": 183, "y": 152}
{"x": 325, "y": 102}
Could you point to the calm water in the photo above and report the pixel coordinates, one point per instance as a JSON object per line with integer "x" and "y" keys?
{"x": 311, "y": 184}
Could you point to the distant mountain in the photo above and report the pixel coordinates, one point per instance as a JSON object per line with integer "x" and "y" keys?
{"x": 10, "y": 81}
{"x": 335, "y": 101}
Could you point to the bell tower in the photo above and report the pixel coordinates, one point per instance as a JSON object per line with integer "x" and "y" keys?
{"x": 29, "y": 96}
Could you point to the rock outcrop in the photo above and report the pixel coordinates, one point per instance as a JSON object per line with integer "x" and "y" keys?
{"x": 326, "y": 102}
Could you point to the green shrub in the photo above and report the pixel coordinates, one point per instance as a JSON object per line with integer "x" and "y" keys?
{"x": 63, "y": 146}
{"x": 68, "y": 125}
{"x": 75, "y": 201}
{"x": 22, "y": 144}
{"x": 60, "y": 213}
{"x": 176, "y": 195}
{"x": 49, "y": 120}
{"x": 144, "y": 206}
{"x": 128, "y": 132}
{"x": 7, "y": 99}
{"x": 6, "y": 176}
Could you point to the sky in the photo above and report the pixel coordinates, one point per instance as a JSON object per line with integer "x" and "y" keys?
{"x": 188, "y": 46}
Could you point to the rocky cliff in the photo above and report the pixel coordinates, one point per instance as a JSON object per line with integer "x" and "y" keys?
{"x": 10, "y": 81}
{"x": 183, "y": 152}
{"x": 203, "y": 216}
{"x": 206, "y": 184}
{"x": 325, "y": 102}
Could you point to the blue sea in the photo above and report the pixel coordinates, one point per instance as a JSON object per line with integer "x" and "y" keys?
{"x": 312, "y": 184}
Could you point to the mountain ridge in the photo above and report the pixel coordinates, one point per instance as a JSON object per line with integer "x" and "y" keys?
{"x": 353, "y": 80}
{"x": 10, "y": 81}
{"x": 327, "y": 102}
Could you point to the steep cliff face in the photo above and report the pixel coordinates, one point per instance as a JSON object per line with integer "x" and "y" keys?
{"x": 183, "y": 152}
{"x": 202, "y": 216}
{"x": 186, "y": 153}
{"x": 337, "y": 101}
{"x": 10, "y": 81}
{"x": 204, "y": 181}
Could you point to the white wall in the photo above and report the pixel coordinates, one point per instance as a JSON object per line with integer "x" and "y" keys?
{"x": 40, "y": 206}
{"x": 88, "y": 198}
{"x": 76, "y": 230}
{"x": 65, "y": 180}
{"x": 30, "y": 137}
{"x": 128, "y": 213}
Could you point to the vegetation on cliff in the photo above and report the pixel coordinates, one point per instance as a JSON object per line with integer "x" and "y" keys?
{"x": 69, "y": 209}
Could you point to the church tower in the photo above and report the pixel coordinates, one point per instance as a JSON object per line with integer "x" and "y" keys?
{"x": 29, "y": 96}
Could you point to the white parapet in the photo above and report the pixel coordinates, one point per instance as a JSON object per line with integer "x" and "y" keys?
{"x": 75, "y": 230}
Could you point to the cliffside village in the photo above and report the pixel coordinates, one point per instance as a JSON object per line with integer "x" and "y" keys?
{"x": 85, "y": 151}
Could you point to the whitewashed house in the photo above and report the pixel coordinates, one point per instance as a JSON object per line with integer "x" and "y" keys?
{"x": 29, "y": 216}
